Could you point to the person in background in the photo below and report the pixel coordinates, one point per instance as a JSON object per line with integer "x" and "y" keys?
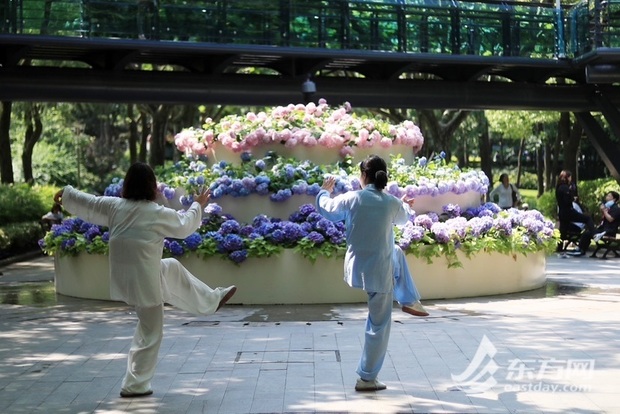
{"x": 138, "y": 274}
{"x": 54, "y": 216}
{"x": 565, "y": 195}
{"x": 372, "y": 262}
{"x": 508, "y": 195}
{"x": 609, "y": 225}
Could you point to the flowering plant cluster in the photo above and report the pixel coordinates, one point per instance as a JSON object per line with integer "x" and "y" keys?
{"x": 281, "y": 178}
{"x": 486, "y": 228}
{"x": 221, "y": 235}
{"x": 308, "y": 125}
{"x": 483, "y": 229}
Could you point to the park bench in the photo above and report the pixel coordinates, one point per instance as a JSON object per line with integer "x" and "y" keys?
{"x": 608, "y": 244}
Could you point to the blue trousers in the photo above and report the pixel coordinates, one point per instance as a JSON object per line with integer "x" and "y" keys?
{"x": 378, "y": 324}
{"x": 379, "y": 320}
{"x": 405, "y": 292}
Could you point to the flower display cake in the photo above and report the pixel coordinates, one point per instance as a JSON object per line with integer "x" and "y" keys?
{"x": 264, "y": 171}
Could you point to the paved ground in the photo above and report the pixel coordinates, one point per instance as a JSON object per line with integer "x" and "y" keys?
{"x": 554, "y": 350}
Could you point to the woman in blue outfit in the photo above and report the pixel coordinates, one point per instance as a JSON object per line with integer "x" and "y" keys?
{"x": 372, "y": 261}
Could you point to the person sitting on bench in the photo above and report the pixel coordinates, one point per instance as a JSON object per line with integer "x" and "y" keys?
{"x": 609, "y": 225}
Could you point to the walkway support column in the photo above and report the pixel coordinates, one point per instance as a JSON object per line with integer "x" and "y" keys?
{"x": 606, "y": 148}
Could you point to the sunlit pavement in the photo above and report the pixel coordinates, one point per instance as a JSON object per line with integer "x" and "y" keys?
{"x": 553, "y": 350}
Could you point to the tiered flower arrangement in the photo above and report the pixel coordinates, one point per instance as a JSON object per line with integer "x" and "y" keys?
{"x": 482, "y": 229}
{"x": 308, "y": 125}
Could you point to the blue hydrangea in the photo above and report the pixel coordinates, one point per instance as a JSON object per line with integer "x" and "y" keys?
{"x": 193, "y": 241}
{"x": 176, "y": 248}
{"x": 238, "y": 256}
{"x": 230, "y": 226}
{"x": 67, "y": 244}
{"x": 230, "y": 242}
{"x": 92, "y": 232}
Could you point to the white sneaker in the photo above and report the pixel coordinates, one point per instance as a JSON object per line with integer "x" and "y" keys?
{"x": 373, "y": 385}
{"x": 598, "y": 236}
{"x": 416, "y": 309}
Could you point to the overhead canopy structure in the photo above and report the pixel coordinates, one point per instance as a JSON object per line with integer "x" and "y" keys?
{"x": 482, "y": 54}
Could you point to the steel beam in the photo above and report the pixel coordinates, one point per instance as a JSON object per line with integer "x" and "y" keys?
{"x": 606, "y": 148}
{"x": 90, "y": 85}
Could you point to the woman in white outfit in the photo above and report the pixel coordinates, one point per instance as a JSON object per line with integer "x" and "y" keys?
{"x": 372, "y": 261}
{"x": 138, "y": 274}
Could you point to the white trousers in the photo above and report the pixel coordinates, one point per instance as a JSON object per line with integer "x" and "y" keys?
{"x": 180, "y": 289}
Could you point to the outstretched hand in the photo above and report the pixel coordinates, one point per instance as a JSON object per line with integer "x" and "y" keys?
{"x": 203, "y": 197}
{"x": 408, "y": 200}
{"x": 329, "y": 183}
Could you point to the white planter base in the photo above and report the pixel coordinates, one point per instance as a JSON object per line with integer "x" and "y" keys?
{"x": 291, "y": 279}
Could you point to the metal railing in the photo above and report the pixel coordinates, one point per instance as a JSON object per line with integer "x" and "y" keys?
{"x": 486, "y": 28}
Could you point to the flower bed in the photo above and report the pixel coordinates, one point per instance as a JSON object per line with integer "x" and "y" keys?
{"x": 486, "y": 228}
{"x": 337, "y": 130}
{"x": 289, "y": 279}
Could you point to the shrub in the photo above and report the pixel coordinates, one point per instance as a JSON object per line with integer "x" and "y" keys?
{"x": 21, "y": 202}
{"x": 17, "y": 238}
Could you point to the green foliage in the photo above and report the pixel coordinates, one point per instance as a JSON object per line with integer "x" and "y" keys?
{"x": 260, "y": 247}
{"x": 522, "y": 124}
{"x": 547, "y": 205}
{"x": 308, "y": 249}
{"x": 591, "y": 194}
{"x": 16, "y": 238}
{"x": 20, "y": 202}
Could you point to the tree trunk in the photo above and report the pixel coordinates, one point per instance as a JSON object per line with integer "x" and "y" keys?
{"x": 548, "y": 161}
{"x": 540, "y": 168}
{"x": 47, "y": 13}
{"x": 133, "y": 135}
{"x": 34, "y": 130}
{"x": 145, "y": 133}
{"x": 562, "y": 137}
{"x": 157, "y": 154}
{"x": 484, "y": 146}
{"x": 519, "y": 156}
{"x": 571, "y": 148}
{"x": 6, "y": 161}
{"x": 440, "y": 130}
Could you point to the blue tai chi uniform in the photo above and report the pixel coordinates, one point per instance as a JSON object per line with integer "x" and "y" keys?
{"x": 371, "y": 261}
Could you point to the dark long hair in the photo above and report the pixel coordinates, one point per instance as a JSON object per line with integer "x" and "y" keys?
{"x": 563, "y": 177}
{"x": 139, "y": 183}
{"x": 375, "y": 169}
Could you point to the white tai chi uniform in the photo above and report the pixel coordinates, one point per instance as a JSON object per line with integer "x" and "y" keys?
{"x": 138, "y": 274}
{"x": 371, "y": 261}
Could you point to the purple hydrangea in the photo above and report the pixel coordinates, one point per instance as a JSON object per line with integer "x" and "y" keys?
{"x": 315, "y": 237}
{"x": 230, "y": 226}
{"x": 213, "y": 208}
{"x": 441, "y": 231}
{"x": 452, "y": 210}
